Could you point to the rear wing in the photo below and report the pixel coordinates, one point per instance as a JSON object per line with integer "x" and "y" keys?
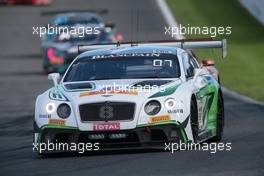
{"x": 184, "y": 44}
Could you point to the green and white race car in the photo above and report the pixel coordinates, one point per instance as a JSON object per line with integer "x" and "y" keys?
{"x": 137, "y": 96}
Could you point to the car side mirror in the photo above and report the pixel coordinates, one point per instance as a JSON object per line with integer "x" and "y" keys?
{"x": 54, "y": 77}
{"x": 208, "y": 62}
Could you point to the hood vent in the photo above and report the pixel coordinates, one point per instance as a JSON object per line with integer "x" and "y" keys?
{"x": 78, "y": 86}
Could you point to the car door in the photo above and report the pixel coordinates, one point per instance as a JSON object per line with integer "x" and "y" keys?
{"x": 204, "y": 94}
{"x": 205, "y": 97}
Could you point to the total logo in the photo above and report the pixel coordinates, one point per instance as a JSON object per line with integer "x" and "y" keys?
{"x": 106, "y": 126}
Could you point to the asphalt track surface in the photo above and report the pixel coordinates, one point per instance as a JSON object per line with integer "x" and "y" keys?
{"x": 21, "y": 79}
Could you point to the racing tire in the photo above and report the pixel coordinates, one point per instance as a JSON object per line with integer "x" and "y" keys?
{"x": 194, "y": 121}
{"x": 220, "y": 121}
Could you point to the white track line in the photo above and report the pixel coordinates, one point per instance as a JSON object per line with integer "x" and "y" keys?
{"x": 170, "y": 20}
{"x": 255, "y": 8}
{"x": 241, "y": 97}
{"x": 169, "y": 17}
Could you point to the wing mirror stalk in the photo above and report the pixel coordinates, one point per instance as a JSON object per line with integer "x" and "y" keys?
{"x": 54, "y": 77}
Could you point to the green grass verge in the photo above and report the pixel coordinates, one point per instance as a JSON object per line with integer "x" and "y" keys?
{"x": 243, "y": 69}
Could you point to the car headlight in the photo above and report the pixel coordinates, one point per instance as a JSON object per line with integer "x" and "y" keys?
{"x": 170, "y": 103}
{"x": 64, "y": 111}
{"x": 50, "y": 108}
{"x": 152, "y": 107}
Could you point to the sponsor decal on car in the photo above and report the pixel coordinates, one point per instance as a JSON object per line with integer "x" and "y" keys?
{"x": 127, "y": 55}
{"x": 44, "y": 116}
{"x": 159, "y": 119}
{"x": 56, "y": 122}
{"x": 106, "y": 126}
{"x": 175, "y": 111}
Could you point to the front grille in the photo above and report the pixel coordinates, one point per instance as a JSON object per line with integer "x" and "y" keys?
{"x": 107, "y": 111}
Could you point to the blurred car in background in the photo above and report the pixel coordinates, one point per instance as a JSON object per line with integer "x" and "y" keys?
{"x": 60, "y": 48}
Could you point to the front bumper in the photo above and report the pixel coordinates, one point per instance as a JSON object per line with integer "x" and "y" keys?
{"x": 142, "y": 137}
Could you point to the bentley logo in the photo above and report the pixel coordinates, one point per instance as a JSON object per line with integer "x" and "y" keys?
{"x": 106, "y": 112}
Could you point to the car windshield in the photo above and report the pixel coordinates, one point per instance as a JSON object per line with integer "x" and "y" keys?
{"x": 128, "y": 66}
{"x": 77, "y": 19}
